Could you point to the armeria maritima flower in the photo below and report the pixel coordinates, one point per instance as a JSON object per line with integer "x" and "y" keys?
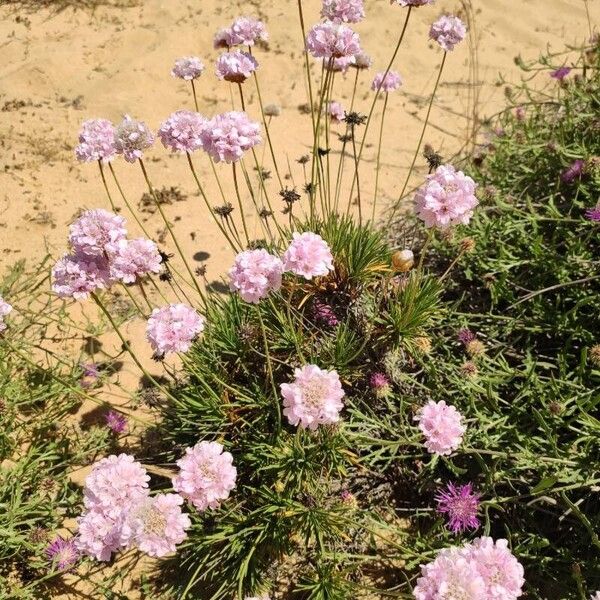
{"x": 131, "y": 259}
{"x": 236, "y": 66}
{"x": 206, "y": 475}
{"x": 132, "y": 138}
{"x": 308, "y": 255}
{"x": 94, "y": 231}
{"x": 460, "y": 504}
{"x": 173, "y": 328}
{"x": 246, "y": 31}
{"x": 389, "y": 82}
{"x": 255, "y": 273}
{"x": 448, "y": 31}
{"x": 330, "y": 40}
{"x": 336, "y": 112}
{"x": 77, "y": 276}
{"x": 100, "y": 534}
{"x": 483, "y": 569}
{"x": 442, "y": 426}
{"x": 412, "y": 2}
{"x": 96, "y": 141}
{"x": 188, "y": 68}
{"x": 343, "y": 11}
{"x": 157, "y": 525}
{"x": 62, "y": 554}
{"x": 341, "y": 65}
{"x": 314, "y": 397}
{"x": 182, "y": 131}
{"x": 227, "y": 136}
{"x": 447, "y": 198}
{"x": 5, "y": 309}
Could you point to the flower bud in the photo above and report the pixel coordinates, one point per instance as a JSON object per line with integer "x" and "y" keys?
{"x": 403, "y": 260}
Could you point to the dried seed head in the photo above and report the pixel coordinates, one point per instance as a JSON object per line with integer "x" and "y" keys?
{"x": 469, "y": 369}
{"x": 225, "y": 210}
{"x": 304, "y": 159}
{"x": 595, "y": 355}
{"x": 265, "y": 213}
{"x": 353, "y": 118}
{"x": 467, "y": 244}
{"x": 272, "y": 110}
{"x": 290, "y": 195}
{"x": 434, "y": 159}
{"x": 475, "y": 348}
{"x": 423, "y": 344}
{"x": 403, "y": 260}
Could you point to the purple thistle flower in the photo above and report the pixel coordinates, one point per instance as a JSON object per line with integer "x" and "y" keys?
{"x": 460, "y": 505}
{"x": 465, "y": 336}
{"x": 323, "y": 313}
{"x": 116, "y": 421}
{"x": 593, "y": 214}
{"x": 379, "y": 381}
{"x": 573, "y": 171}
{"x": 62, "y": 554}
{"x": 560, "y": 73}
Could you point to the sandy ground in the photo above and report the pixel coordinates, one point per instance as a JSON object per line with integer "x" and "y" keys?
{"x": 59, "y": 69}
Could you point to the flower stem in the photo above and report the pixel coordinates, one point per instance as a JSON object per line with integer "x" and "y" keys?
{"x": 270, "y": 369}
{"x": 378, "y": 165}
{"x": 239, "y": 199}
{"x": 194, "y": 94}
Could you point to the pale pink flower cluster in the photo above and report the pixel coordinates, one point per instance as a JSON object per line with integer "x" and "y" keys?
{"x": 595, "y": 596}
{"x": 442, "y": 426}
{"x": 331, "y": 40}
{"x": 447, "y": 198}
{"x": 173, "y": 328}
{"x": 480, "y": 570}
{"x": 5, "y": 309}
{"x": 341, "y": 65}
{"x": 448, "y": 31}
{"x": 236, "y": 66}
{"x": 157, "y": 525}
{"x": 96, "y": 141}
{"x": 132, "y": 138}
{"x": 77, "y": 277}
{"x": 182, "y": 131}
{"x": 343, "y": 11}
{"x": 94, "y": 231}
{"x": 389, "y": 82}
{"x": 102, "y": 254}
{"x": 308, "y": 255}
{"x": 188, "y": 68}
{"x": 206, "y": 475}
{"x": 336, "y": 112}
{"x": 254, "y": 274}
{"x": 131, "y": 259}
{"x": 227, "y": 136}
{"x": 119, "y": 512}
{"x": 314, "y": 397}
{"x": 244, "y": 31}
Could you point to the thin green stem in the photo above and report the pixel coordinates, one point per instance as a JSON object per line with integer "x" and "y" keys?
{"x": 112, "y": 204}
{"x": 270, "y": 369}
{"x": 239, "y": 199}
{"x": 378, "y": 164}
{"x": 194, "y": 94}
{"x": 423, "y": 130}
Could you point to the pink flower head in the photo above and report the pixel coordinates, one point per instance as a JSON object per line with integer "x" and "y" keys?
{"x": 130, "y": 259}
{"x": 114, "y": 483}
{"x": 76, "y": 276}
{"x": 574, "y": 171}
{"x": 460, "y": 504}
{"x": 412, "y": 2}
{"x": 593, "y": 214}
{"x": 99, "y": 533}
{"x": 188, "y": 68}
{"x": 223, "y": 39}
{"x": 96, "y": 141}
{"x": 5, "y": 309}
{"x": 447, "y": 198}
{"x": 308, "y": 255}
{"x": 442, "y": 427}
{"x": 116, "y": 421}
{"x": 450, "y": 575}
{"x": 341, "y": 65}
{"x": 227, "y": 136}
{"x": 336, "y": 111}
{"x": 329, "y": 40}
{"x": 314, "y": 397}
{"x": 501, "y": 572}
{"x": 362, "y": 61}
{"x": 595, "y": 596}
{"x": 343, "y": 11}
{"x": 560, "y": 73}
{"x": 132, "y": 138}
{"x": 206, "y": 475}
{"x": 245, "y": 31}
{"x": 448, "y": 31}
{"x": 255, "y": 273}
{"x": 62, "y": 554}
{"x": 182, "y": 131}
{"x": 236, "y": 66}
{"x": 173, "y": 328}
{"x": 324, "y": 314}
{"x": 94, "y": 231}
{"x": 466, "y": 336}
{"x": 157, "y": 524}
{"x": 379, "y": 381}
{"x": 389, "y": 82}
